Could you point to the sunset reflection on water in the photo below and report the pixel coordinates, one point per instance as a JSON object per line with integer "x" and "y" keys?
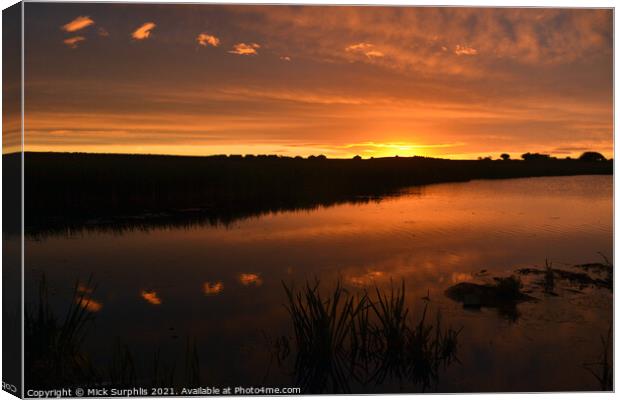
{"x": 430, "y": 238}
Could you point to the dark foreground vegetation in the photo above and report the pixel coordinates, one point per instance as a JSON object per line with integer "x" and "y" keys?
{"x": 344, "y": 341}
{"x": 55, "y": 355}
{"x": 75, "y": 190}
{"x": 339, "y": 342}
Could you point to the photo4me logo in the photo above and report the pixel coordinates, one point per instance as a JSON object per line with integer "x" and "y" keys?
{"x": 9, "y": 387}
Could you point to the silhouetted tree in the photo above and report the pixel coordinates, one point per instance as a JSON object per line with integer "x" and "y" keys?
{"x": 321, "y": 157}
{"x": 592, "y": 156}
{"x": 505, "y": 156}
{"x": 358, "y": 157}
{"x": 535, "y": 156}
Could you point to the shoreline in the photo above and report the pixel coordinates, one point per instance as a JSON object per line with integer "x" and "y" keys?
{"x": 75, "y": 191}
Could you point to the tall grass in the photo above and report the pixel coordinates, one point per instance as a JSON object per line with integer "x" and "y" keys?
{"x": 342, "y": 339}
{"x": 55, "y": 355}
{"x": 53, "y": 348}
{"x": 602, "y": 370}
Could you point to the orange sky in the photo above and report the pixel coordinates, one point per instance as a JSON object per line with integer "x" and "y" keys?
{"x": 300, "y": 80}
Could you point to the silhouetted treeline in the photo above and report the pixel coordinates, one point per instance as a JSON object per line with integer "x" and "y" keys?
{"x": 71, "y": 189}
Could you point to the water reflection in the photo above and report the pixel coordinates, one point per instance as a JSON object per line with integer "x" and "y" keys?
{"x": 213, "y": 288}
{"x": 442, "y": 235}
{"x": 89, "y": 304}
{"x": 151, "y": 297}
{"x": 250, "y": 279}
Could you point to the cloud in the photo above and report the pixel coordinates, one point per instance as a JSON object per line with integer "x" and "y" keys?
{"x": 374, "y": 53}
{"x": 103, "y": 32}
{"x": 465, "y": 50}
{"x": 204, "y": 39}
{"x": 77, "y": 24}
{"x": 358, "y": 47}
{"x": 418, "y": 39}
{"x": 73, "y": 42}
{"x": 285, "y": 58}
{"x": 366, "y": 49}
{"x": 244, "y": 49}
{"x": 144, "y": 31}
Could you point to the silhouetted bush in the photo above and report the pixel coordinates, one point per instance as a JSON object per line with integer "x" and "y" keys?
{"x": 591, "y": 156}
{"x": 535, "y": 156}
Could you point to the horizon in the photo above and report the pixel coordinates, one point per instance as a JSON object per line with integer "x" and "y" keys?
{"x": 198, "y": 80}
{"x": 515, "y": 157}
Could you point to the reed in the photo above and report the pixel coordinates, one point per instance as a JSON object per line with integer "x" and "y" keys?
{"x": 366, "y": 338}
{"x": 54, "y": 353}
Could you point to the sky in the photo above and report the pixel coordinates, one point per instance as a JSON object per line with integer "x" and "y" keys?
{"x": 302, "y": 80}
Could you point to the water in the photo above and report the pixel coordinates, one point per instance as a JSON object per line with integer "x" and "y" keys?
{"x": 222, "y": 285}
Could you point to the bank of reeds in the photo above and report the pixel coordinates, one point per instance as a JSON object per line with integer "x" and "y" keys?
{"x": 343, "y": 339}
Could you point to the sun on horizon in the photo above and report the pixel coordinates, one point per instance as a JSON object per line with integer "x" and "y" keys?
{"x": 459, "y": 83}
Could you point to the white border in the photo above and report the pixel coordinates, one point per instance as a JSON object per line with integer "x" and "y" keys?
{"x": 479, "y": 3}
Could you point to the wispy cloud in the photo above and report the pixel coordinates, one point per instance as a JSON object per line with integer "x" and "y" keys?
{"x": 465, "y": 50}
{"x": 244, "y": 49}
{"x": 367, "y": 49}
{"x": 103, "y": 32}
{"x": 77, "y": 24}
{"x": 74, "y": 42}
{"x": 374, "y": 53}
{"x": 285, "y": 58}
{"x": 358, "y": 47}
{"x": 204, "y": 39}
{"x": 144, "y": 31}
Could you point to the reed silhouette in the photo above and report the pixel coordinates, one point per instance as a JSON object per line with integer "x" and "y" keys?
{"x": 342, "y": 339}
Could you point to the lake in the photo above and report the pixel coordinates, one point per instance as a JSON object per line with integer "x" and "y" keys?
{"x": 220, "y": 286}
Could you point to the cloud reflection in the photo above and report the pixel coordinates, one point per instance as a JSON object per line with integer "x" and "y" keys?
{"x": 89, "y": 304}
{"x": 213, "y": 288}
{"x": 250, "y": 279}
{"x": 151, "y": 297}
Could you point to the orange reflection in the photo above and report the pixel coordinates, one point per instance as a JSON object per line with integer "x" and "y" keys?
{"x": 460, "y": 277}
{"x": 250, "y": 279}
{"x": 84, "y": 289}
{"x": 213, "y": 288}
{"x": 365, "y": 279}
{"x": 89, "y": 304}
{"x": 151, "y": 297}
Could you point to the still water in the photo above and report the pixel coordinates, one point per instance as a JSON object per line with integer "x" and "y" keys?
{"x": 222, "y": 285}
